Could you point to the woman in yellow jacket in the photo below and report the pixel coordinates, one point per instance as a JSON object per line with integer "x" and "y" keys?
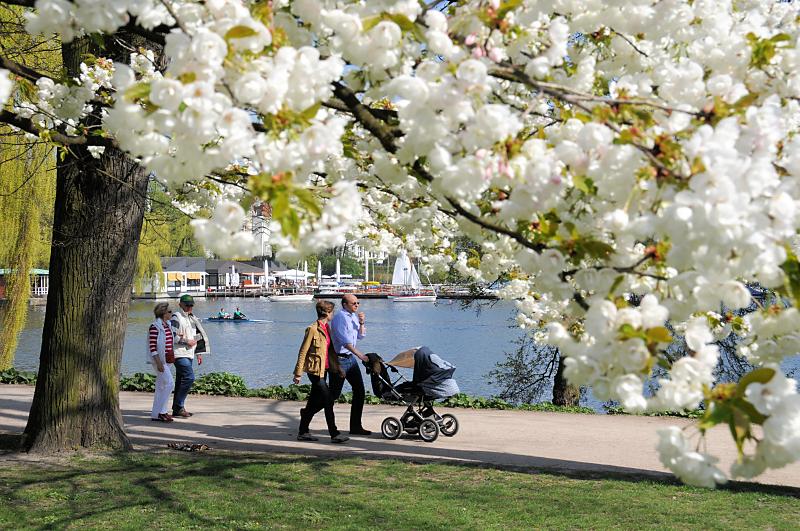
{"x": 315, "y": 358}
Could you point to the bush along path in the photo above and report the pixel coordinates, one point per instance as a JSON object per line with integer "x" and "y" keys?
{"x": 227, "y": 384}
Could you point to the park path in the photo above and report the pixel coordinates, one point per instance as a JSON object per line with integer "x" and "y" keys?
{"x": 560, "y": 442}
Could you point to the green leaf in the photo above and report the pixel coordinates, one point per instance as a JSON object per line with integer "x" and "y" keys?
{"x": 664, "y": 363}
{"x": 308, "y": 201}
{"x": 617, "y": 281}
{"x": 403, "y": 21}
{"x": 311, "y": 112}
{"x": 627, "y": 330}
{"x": 625, "y": 137}
{"x": 506, "y": 6}
{"x": 284, "y": 214}
{"x": 659, "y": 334}
{"x": 598, "y": 249}
{"x": 187, "y": 77}
{"x": 716, "y": 414}
{"x": 584, "y": 184}
{"x": 762, "y": 376}
{"x": 370, "y": 22}
{"x": 240, "y": 32}
{"x": 407, "y": 26}
{"x": 791, "y": 268}
{"x": 740, "y": 429}
{"x": 138, "y": 91}
{"x": 781, "y": 37}
{"x": 749, "y": 409}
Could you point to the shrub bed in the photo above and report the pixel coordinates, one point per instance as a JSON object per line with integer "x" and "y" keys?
{"x": 227, "y": 384}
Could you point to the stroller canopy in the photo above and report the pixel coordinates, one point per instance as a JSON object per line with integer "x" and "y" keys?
{"x": 433, "y": 374}
{"x": 430, "y": 368}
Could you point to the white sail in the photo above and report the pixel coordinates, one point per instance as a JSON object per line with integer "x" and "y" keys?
{"x": 414, "y": 280}
{"x": 404, "y": 273}
{"x": 402, "y": 268}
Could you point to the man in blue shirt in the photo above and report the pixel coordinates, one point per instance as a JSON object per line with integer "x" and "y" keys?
{"x": 348, "y": 327}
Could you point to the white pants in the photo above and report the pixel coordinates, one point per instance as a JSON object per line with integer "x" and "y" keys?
{"x": 164, "y": 384}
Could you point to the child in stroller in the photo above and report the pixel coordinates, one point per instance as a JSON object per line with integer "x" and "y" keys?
{"x": 432, "y": 380}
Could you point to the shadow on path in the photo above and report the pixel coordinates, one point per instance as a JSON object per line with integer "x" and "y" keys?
{"x": 278, "y": 437}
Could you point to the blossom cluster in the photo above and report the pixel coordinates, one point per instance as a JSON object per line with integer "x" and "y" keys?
{"x": 65, "y": 104}
{"x": 779, "y": 402}
{"x": 620, "y": 165}
{"x": 6, "y": 86}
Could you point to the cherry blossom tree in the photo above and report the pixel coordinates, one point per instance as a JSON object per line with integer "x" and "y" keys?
{"x": 601, "y": 152}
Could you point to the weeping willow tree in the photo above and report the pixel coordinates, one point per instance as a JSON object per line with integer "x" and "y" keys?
{"x": 165, "y": 232}
{"x": 27, "y": 189}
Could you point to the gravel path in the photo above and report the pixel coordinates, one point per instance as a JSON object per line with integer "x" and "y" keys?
{"x": 611, "y": 445}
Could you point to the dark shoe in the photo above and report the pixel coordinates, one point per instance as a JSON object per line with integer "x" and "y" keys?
{"x": 360, "y": 431}
{"x": 181, "y": 413}
{"x": 162, "y": 417}
{"x": 339, "y": 439}
{"x": 306, "y": 437}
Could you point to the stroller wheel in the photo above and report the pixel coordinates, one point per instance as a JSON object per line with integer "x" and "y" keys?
{"x": 448, "y": 425}
{"x": 428, "y": 430}
{"x": 391, "y": 428}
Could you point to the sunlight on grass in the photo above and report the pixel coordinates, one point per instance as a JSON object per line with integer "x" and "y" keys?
{"x": 251, "y": 491}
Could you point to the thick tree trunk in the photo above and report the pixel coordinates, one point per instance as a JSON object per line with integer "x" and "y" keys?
{"x": 97, "y": 223}
{"x": 564, "y": 394}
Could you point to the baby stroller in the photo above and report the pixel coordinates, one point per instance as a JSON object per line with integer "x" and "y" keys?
{"x": 432, "y": 380}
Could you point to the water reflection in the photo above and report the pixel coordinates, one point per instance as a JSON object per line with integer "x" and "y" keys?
{"x": 265, "y": 353}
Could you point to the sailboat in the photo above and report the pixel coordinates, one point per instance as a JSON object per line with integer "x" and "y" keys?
{"x": 406, "y": 277}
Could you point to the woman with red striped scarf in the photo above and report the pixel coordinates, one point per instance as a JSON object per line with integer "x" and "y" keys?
{"x": 161, "y": 354}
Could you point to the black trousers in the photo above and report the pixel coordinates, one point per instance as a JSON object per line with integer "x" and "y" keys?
{"x": 353, "y": 376}
{"x": 319, "y": 398}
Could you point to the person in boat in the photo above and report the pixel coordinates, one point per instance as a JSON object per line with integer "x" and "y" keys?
{"x": 238, "y": 314}
{"x": 316, "y": 357}
{"x": 222, "y": 314}
{"x": 348, "y": 327}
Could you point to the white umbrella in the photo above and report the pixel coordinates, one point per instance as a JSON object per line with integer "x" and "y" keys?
{"x": 337, "y": 271}
{"x": 305, "y": 270}
{"x": 319, "y": 272}
{"x": 290, "y": 273}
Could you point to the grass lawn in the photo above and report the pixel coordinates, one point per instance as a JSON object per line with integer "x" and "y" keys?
{"x": 255, "y": 491}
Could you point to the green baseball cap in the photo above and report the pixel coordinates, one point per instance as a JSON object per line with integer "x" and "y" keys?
{"x": 187, "y": 299}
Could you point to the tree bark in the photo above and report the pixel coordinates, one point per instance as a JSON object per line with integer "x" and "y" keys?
{"x": 564, "y": 394}
{"x": 96, "y": 228}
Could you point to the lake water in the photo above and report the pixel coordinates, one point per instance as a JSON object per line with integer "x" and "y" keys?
{"x": 265, "y": 353}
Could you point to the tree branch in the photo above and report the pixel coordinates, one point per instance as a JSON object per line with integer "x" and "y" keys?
{"x": 58, "y": 137}
{"x": 382, "y": 131}
{"x": 513, "y": 73}
{"x": 626, "y": 39}
{"x": 157, "y": 34}
{"x": 21, "y": 3}
{"x": 381, "y": 114}
{"x": 21, "y": 70}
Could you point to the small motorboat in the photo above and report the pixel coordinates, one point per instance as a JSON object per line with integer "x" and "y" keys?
{"x": 232, "y": 320}
{"x": 412, "y": 297}
{"x": 291, "y": 297}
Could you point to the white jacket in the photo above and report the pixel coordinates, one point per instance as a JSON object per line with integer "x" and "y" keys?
{"x": 185, "y": 330}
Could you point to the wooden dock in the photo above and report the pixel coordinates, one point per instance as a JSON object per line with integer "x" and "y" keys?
{"x": 371, "y": 292}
